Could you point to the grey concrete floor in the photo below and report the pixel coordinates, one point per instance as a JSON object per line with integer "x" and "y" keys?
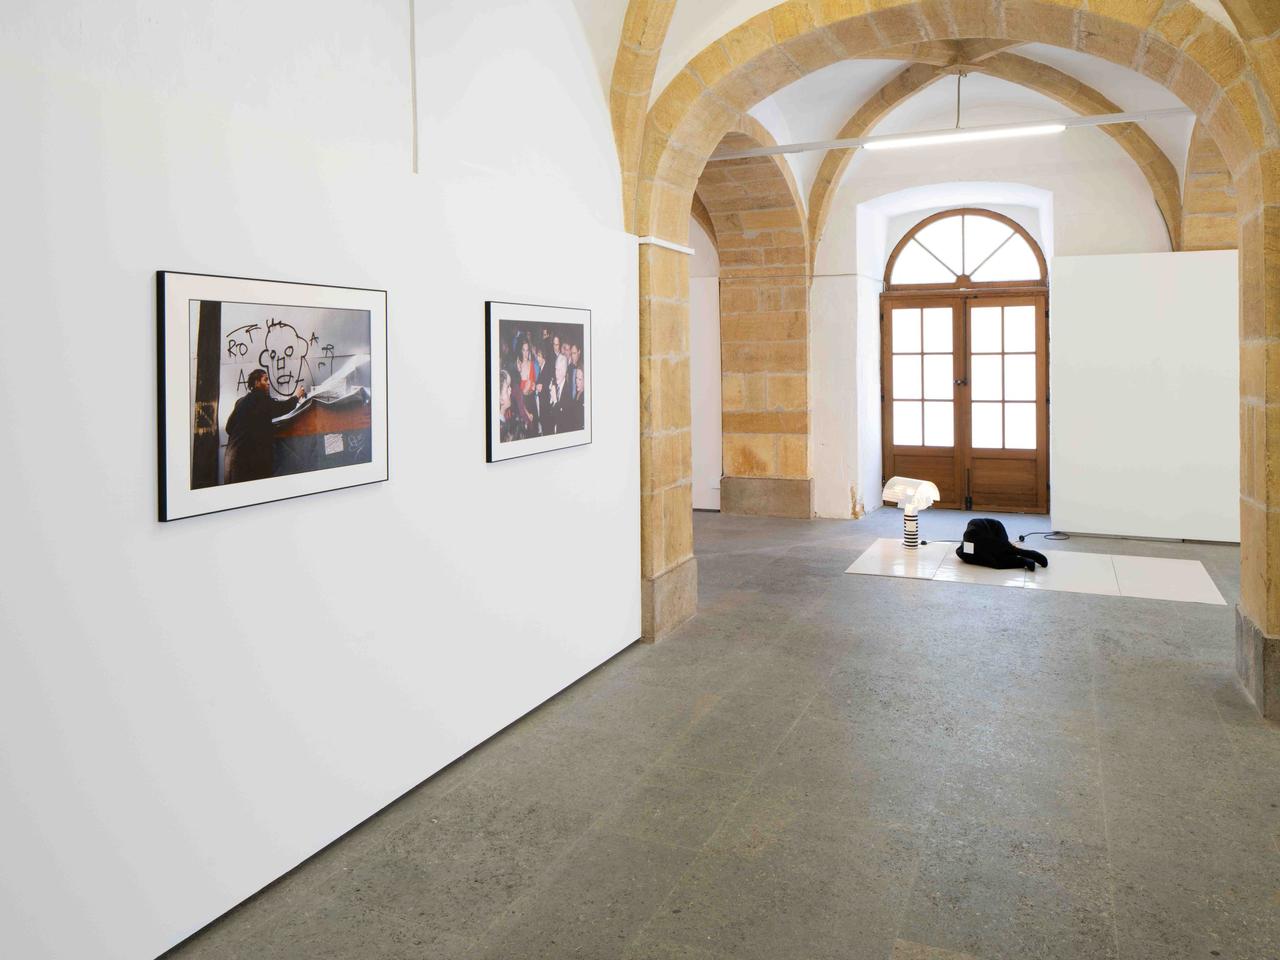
{"x": 831, "y": 766}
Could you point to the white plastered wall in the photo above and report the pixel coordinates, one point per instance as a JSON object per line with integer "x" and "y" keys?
{"x": 189, "y": 710}
{"x": 704, "y": 369}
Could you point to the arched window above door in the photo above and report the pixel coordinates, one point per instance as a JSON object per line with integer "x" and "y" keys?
{"x": 966, "y": 249}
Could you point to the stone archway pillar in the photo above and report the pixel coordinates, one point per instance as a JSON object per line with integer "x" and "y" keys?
{"x": 1258, "y": 613}
{"x": 668, "y": 570}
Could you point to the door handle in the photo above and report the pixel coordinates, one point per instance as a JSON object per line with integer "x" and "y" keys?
{"x": 962, "y": 383}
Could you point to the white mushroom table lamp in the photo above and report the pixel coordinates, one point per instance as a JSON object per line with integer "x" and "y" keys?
{"x": 911, "y": 496}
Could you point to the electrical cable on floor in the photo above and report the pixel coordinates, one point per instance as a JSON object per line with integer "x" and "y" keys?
{"x": 1022, "y": 538}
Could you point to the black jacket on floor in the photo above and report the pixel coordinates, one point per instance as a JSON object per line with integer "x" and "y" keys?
{"x": 991, "y": 548}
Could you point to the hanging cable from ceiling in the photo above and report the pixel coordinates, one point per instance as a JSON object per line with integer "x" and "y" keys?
{"x": 959, "y": 80}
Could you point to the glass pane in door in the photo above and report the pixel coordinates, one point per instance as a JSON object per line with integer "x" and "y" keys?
{"x": 923, "y": 369}
{"x": 944, "y": 239}
{"x": 985, "y": 377}
{"x": 937, "y": 329}
{"x": 1003, "y": 376}
{"x": 939, "y": 372}
{"x": 915, "y": 264}
{"x": 984, "y": 330}
{"x": 986, "y": 427}
{"x": 1020, "y": 376}
{"x": 939, "y": 424}
{"x": 906, "y": 331}
{"x": 982, "y": 237}
{"x": 907, "y": 423}
{"x": 906, "y": 377}
{"x": 1020, "y": 426}
{"x": 1020, "y": 329}
{"x": 1012, "y": 261}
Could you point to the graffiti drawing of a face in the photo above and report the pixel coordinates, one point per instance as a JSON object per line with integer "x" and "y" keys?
{"x": 284, "y": 357}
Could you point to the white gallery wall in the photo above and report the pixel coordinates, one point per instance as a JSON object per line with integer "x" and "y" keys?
{"x": 189, "y": 710}
{"x": 704, "y": 369}
{"x": 1144, "y": 373}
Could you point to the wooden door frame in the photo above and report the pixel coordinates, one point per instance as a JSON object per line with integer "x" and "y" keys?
{"x": 916, "y": 300}
{"x": 1040, "y": 300}
{"x": 909, "y": 296}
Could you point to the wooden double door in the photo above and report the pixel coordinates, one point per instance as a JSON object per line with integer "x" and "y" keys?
{"x": 966, "y": 398}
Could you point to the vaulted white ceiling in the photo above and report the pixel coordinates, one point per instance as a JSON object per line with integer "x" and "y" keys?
{"x": 1131, "y": 91}
{"x": 816, "y": 107}
{"x": 697, "y": 23}
{"x": 791, "y": 117}
{"x": 602, "y": 25}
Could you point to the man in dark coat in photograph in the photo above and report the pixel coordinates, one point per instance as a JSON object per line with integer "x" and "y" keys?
{"x": 250, "y": 433}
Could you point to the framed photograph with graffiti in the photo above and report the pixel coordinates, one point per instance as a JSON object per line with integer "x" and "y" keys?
{"x": 268, "y": 390}
{"x": 538, "y": 383}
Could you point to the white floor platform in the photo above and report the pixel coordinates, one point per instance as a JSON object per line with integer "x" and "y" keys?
{"x": 1152, "y": 578}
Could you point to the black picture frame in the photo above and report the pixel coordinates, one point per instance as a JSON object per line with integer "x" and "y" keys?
{"x": 185, "y": 491}
{"x": 533, "y": 318}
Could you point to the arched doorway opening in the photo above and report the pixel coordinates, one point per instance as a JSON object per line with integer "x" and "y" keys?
{"x": 964, "y": 368}
{"x": 1228, "y": 80}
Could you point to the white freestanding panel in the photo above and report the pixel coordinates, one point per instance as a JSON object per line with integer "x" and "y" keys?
{"x": 1144, "y": 377}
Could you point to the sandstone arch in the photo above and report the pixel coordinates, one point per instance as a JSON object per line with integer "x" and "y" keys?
{"x": 1209, "y": 69}
{"x": 1071, "y": 93}
{"x": 1255, "y": 19}
{"x": 644, "y": 29}
{"x": 1209, "y": 220}
{"x": 703, "y": 216}
{"x": 899, "y": 89}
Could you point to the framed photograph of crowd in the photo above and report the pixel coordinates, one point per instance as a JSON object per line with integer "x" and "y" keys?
{"x": 268, "y": 390}
{"x": 538, "y": 383}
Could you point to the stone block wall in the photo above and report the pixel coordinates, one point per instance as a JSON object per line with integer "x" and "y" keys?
{"x": 764, "y": 331}
{"x": 1209, "y": 220}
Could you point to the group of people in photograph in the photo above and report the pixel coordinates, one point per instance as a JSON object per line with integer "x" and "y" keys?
{"x": 541, "y": 381}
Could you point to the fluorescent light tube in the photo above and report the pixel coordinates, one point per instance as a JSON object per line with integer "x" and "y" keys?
{"x": 962, "y": 136}
{"x": 972, "y": 133}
